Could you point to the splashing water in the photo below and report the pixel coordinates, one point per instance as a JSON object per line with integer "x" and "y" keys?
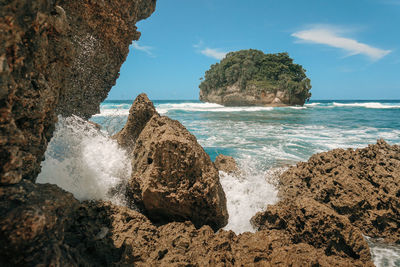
{"x": 264, "y": 141}
{"x": 248, "y": 193}
{"x": 86, "y": 162}
{"x": 383, "y": 254}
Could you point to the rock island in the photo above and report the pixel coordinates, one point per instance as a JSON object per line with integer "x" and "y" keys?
{"x": 252, "y": 78}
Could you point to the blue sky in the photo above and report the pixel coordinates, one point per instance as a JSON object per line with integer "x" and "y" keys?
{"x": 350, "y": 49}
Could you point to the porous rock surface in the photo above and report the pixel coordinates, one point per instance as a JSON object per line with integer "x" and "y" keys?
{"x": 33, "y": 219}
{"x": 140, "y": 113}
{"x": 173, "y": 178}
{"x": 226, "y": 164}
{"x": 56, "y": 57}
{"x": 57, "y": 230}
{"x": 361, "y": 184}
{"x": 305, "y": 220}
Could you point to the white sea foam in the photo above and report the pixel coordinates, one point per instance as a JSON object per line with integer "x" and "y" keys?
{"x": 312, "y": 104}
{"x": 206, "y": 107}
{"x": 247, "y": 194}
{"x": 375, "y": 105}
{"x": 85, "y": 162}
{"x": 107, "y": 112}
{"x": 384, "y": 255}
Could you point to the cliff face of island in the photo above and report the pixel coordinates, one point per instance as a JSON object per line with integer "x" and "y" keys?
{"x": 252, "y": 78}
{"x": 56, "y": 57}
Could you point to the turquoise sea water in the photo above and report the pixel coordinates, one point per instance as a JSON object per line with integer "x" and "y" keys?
{"x": 263, "y": 140}
{"x": 274, "y": 136}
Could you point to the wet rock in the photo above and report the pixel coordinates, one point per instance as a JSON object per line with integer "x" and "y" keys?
{"x": 139, "y": 242}
{"x": 33, "y": 218}
{"x": 56, "y": 57}
{"x": 362, "y": 184}
{"x": 42, "y": 224}
{"x": 140, "y": 113}
{"x": 226, "y": 164}
{"x": 305, "y": 220}
{"x": 173, "y": 178}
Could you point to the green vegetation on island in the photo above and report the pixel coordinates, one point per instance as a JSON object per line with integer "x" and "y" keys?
{"x": 262, "y": 72}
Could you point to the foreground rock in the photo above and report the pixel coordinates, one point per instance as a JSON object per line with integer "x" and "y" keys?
{"x": 44, "y": 225}
{"x": 362, "y": 184}
{"x": 173, "y": 178}
{"x": 56, "y": 57}
{"x": 33, "y": 219}
{"x": 305, "y": 220}
{"x": 226, "y": 164}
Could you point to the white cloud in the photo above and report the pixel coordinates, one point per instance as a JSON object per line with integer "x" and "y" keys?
{"x": 143, "y": 48}
{"x": 328, "y": 35}
{"x": 214, "y": 53}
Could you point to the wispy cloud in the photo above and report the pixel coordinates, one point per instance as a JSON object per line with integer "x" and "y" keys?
{"x": 331, "y": 36}
{"x": 214, "y": 53}
{"x": 147, "y": 49}
{"x": 209, "y": 52}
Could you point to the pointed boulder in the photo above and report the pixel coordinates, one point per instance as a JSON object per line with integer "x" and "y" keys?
{"x": 140, "y": 113}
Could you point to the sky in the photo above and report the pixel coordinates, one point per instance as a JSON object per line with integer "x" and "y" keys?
{"x": 350, "y": 49}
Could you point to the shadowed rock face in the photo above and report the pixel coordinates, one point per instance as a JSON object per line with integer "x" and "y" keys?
{"x": 56, "y": 57}
{"x": 57, "y": 230}
{"x": 33, "y": 219}
{"x": 361, "y": 184}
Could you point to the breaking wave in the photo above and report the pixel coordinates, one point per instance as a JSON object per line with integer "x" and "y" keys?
{"x": 86, "y": 162}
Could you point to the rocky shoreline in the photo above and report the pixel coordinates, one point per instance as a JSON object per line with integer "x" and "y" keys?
{"x": 176, "y": 205}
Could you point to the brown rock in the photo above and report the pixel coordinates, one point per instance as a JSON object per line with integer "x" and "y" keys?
{"x": 56, "y": 57}
{"x": 173, "y": 178}
{"x": 32, "y": 222}
{"x": 140, "y": 113}
{"x": 362, "y": 184}
{"x": 138, "y": 242}
{"x": 43, "y": 225}
{"x": 226, "y": 164}
{"x": 307, "y": 221}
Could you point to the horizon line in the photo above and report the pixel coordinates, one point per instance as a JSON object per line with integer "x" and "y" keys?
{"x": 387, "y": 99}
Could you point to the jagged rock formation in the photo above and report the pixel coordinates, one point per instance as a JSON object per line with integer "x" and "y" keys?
{"x": 226, "y": 164}
{"x": 56, "y": 57}
{"x": 305, "y": 220}
{"x": 252, "y": 78}
{"x": 33, "y": 220}
{"x": 140, "y": 113}
{"x": 62, "y": 57}
{"x": 173, "y": 178}
{"x": 58, "y": 230}
{"x": 362, "y": 184}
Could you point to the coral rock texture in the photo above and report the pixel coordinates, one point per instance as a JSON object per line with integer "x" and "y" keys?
{"x": 140, "y": 113}
{"x": 57, "y": 230}
{"x": 173, "y": 178}
{"x": 56, "y": 57}
{"x": 362, "y": 184}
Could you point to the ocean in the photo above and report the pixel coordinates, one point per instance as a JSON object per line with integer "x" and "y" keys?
{"x": 265, "y": 141}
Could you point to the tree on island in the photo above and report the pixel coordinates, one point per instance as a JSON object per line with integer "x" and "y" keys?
{"x": 253, "y": 68}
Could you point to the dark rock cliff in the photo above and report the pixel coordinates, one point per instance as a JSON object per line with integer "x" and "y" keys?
{"x": 56, "y": 57}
